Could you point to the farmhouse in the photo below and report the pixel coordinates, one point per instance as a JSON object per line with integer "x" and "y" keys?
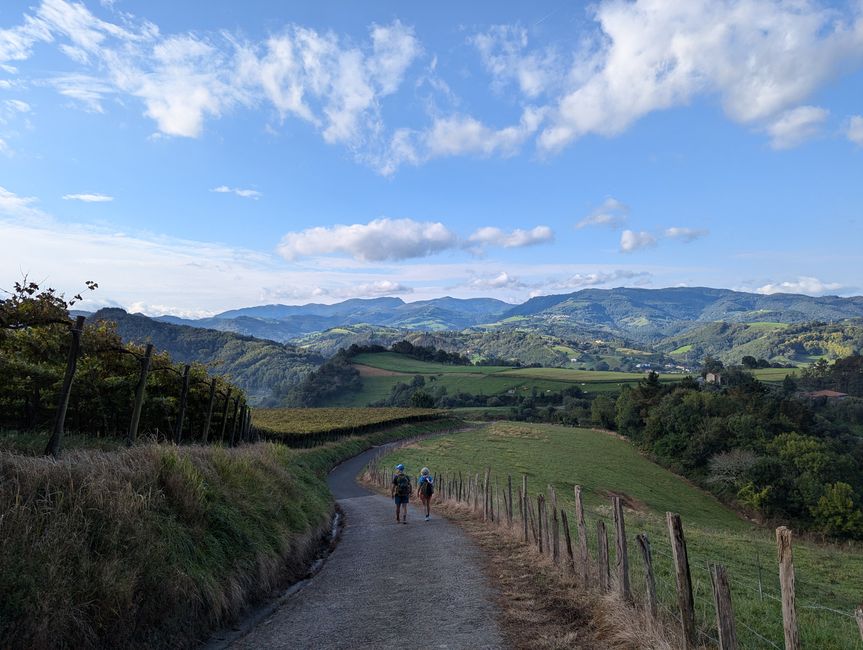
{"x": 713, "y": 378}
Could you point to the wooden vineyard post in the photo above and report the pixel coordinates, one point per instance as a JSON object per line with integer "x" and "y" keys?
{"x": 234, "y": 420}
{"x": 524, "y": 503}
{"x": 184, "y": 396}
{"x": 649, "y": 577}
{"x": 225, "y": 416}
{"x": 583, "y": 556}
{"x": 786, "y": 584}
{"x": 54, "y": 442}
{"x": 540, "y": 510}
{"x": 602, "y": 555}
{"x": 623, "y": 587}
{"x": 564, "y": 520}
{"x": 685, "y": 601}
{"x": 209, "y": 419}
{"x": 140, "y": 391}
{"x": 555, "y": 528}
{"x": 509, "y": 511}
{"x": 724, "y": 611}
{"x": 485, "y": 495}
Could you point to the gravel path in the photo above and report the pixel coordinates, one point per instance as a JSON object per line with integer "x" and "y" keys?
{"x": 387, "y": 585}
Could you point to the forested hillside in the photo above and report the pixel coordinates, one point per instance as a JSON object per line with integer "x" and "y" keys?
{"x": 266, "y": 370}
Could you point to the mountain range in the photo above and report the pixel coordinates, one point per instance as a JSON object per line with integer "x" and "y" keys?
{"x": 635, "y": 314}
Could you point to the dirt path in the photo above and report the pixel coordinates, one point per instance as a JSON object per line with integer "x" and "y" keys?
{"x": 387, "y": 585}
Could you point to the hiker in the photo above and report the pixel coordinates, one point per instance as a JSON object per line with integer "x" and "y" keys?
{"x": 401, "y": 492}
{"x": 425, "y": 488}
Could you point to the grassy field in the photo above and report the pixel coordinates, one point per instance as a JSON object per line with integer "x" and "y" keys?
{"x": 316, "y": 420}
{"x": 604, "y": 464}
{"x": 480, "y": 380}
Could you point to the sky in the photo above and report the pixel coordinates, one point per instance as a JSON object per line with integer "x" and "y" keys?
{"x": 192, "y": 161}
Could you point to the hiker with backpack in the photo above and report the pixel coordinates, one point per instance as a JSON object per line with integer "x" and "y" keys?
{"x": 425, "y": 487}
{"x": 401, "y": 492}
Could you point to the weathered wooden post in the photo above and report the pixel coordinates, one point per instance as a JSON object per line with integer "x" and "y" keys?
{"x": 858, "y": 615}
{"x": 56, "y": 439}
{"x": 540, "y": 511}
{"x": 509, "y": 516}
{"x": 567, "y": 536}
{"x": 685, "y": 602}
{"x": 724, "y": 611}
{"x": 583, "y": 555}
{"x": 786, "y": 584}
{"x": 649, "y": 577}
{"x": 234, "y": 421}
{"x": 524, "y": 504}
{"x": 184, "y": 396}
{"x": 602, "y": 555}
{"x": 225, "y": 415}
{"x": 485, "y": 494}
{"x": 555, "y": 528}
{"x": 623, "y": 586}
{"x": 205, "y": 438}
{"x": 140, "y": 391}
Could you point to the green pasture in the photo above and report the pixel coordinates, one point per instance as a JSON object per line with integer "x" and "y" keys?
{"x": 604, "y": 464}
{"x": 401, "y": 363}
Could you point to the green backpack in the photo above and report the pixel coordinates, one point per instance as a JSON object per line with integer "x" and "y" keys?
{"x": 403, "y": 485}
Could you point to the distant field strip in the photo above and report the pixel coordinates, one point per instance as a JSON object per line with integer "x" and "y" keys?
{"x": 297, "y": 425}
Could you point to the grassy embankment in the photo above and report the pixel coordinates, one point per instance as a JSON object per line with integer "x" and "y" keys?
{"x": 155, "y": 545}
{"x": 604, "y": 464}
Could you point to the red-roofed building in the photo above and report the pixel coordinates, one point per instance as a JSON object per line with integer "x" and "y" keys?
{"x": 829, "y": 394}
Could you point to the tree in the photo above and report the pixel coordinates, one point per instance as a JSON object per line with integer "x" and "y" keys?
{"x": 749, "y": 362}
{"x": 602, "y": 412}
{"x": 836, "y": 513}
{"x": 422, "y": 400}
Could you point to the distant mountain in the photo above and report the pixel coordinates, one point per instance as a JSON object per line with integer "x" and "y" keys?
{"x": 264, "y": 369}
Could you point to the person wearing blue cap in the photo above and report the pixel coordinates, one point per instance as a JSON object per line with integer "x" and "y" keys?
{"x": 401, "y": 492}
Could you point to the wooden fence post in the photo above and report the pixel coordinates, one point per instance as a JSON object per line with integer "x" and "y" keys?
{"x": 485, "y": 494}
{"x": 234, "y": 421}
{"x": 524, "y": 503}
{"x": 724, "y": 611}
{"x": 509, "y": 511}
{"x": 555, "y": 528}
{"x": 786, "y": 583}
{"x": 649, "y": 577}
{"x": 858, "y": 614}
{"x": 567, "y": 537}
{"x": 540, "y": 510}
{"x": 623, "y": 586}
{"x": 210, "y": 405}
{"x": 54, "y": 442}
{"x": 184, "y": 396}
{"x": 602, "y": 555}
{"x": 140, "y": 391}
{"x": 225, "y": 416}
{"x": 685, "y": 601}
{"x": 583, "y": 554}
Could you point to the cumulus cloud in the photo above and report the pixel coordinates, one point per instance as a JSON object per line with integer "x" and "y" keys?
{"x": 611, "y": 213}
{"x": 855, "y": 129}
{"x": 686, "y": 235}
{"x": 245, "y": 193}
{"x": 502, "y": 280}
{"x": 795, "y": 126}
{"x": 380, "y": 239}
{"x": 631, "y": 241}
{"x": 503, "y": 51}
{"x": 803, "y": 284}
{"x": 515, "y": 239}
{"x": 759, "y": 58}
{"x": 377, "y": 288}
{"x": 88, "y": 198}
{"x": 598, "y": 278}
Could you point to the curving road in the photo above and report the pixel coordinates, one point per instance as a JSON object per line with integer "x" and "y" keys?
{"x": 387, "y": 585}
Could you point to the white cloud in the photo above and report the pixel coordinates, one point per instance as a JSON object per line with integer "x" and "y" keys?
{"x": 380, "y": 239}
{"x": 88, "y": 198}
{"x": 597, "y": 278}
{"x": 686, "y": 235}
{"x": 377, "y": 288}
{"x": 17, "y": 105}
{"x": 503, "y": 52}
{"x": 760, "y": 58}
{"x": 803, "y": 284}
{"x": 795, "y": 126}
{"x": 631, "y": 241}
{"x": 855, "y": 129}
{"x": 20, "y": 207}
{"x": 611, "y": 213}
{"x": 515, "y": 239}
{"x": 245, "y": 193}
{"x": 502, "y": 280}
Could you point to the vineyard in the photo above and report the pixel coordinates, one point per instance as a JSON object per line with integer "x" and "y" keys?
{"x": 303, "y": 427}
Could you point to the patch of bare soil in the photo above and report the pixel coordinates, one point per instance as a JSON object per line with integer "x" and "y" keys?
{"x": 628, "y": 501}
{"x": 368, "y": 371}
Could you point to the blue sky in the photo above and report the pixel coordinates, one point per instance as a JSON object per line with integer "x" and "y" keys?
{"x": 193, "y": 161}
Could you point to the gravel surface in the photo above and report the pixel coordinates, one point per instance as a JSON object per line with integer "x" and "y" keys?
{"x": 387, "y": 585}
